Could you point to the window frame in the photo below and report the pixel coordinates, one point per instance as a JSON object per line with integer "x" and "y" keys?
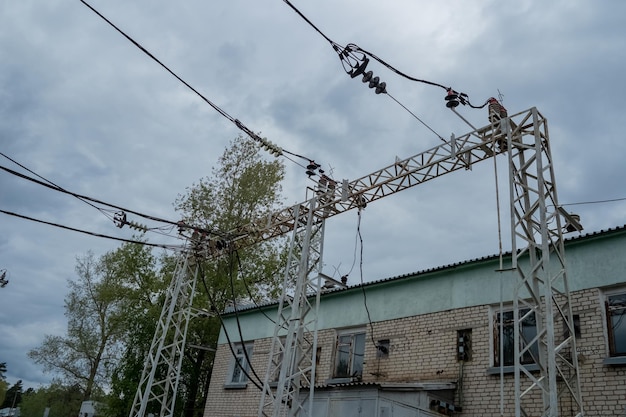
{"x": 610, "y": 333}
{"x": 234, "y": 368}
{"x": 351, "y": 374}
{"x": 494, "y": 359}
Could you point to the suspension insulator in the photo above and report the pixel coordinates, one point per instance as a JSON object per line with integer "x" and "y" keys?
{"x": 360, "y": 69}
{"x": 374, "y": 82}
{"x": 452, "y": 99}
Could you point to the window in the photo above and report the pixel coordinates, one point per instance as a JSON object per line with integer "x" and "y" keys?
{"x": 616, "y": 321}
{"x": 528, "y": 332}
{"x": 349, "y": 355}
{"x": 239, "y": 365}
{"x": 382, "y": 349}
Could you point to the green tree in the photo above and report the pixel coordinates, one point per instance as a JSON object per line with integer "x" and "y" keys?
{"x": 144, "y": 300}
{"x": 13, "y": 396}
{"x": 243, "y": 187}
{"x": 60, "y": 400}
{"x": 97, "y": 308}
{"x": 3, "y": 383}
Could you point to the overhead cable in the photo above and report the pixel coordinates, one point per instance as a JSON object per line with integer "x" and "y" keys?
{"x": 94, "y": 200}
{"x": 266, "y": 144}
{"x": 156, "y": 245}
{"x": 354, "y": 60}
{"x": 51, "y": 183}
{"x": 228, "y": 339}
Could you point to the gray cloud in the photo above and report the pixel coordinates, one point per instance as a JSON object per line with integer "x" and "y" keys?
{"x": 83, "y": 107}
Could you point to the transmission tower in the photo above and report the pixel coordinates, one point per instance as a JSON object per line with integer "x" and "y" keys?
{"x": 537, "y": 223}
{"x": 159, "y": 380}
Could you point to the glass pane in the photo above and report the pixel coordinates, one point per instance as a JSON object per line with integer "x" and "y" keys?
{"x": 237, "y": 373}
{"x": 359, "y": 353}
{"x": 342, "y": 359}
{"x": 617, "y": 319}
{"x": 507, "y": 339}
{"x": 528, "y": 332}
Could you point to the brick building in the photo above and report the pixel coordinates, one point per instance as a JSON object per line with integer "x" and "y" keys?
{"x": 404, "y": 360}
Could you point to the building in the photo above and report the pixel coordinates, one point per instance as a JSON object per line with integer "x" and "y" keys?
{"x": 428, "y": 343}
{"x": 88, "y": 409}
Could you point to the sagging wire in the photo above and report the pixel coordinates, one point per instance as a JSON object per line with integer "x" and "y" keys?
{"x": 272, "y": 148}
{"x": 119, "y": 218}
{"x": 354, "y": 60}
{"x": 247, "y": 287}
{"x": 221, "y": 319}
{"x": 367, "y": 310}
{"x": 231, "y": 267}
{"x": 55, "y": 186}
{"x": 73, "y": 229}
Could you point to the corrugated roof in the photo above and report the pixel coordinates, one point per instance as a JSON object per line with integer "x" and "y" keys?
{"x": 578, "y": 238}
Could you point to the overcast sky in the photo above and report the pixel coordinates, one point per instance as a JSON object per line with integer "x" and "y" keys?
{"x": 84, "y": 108}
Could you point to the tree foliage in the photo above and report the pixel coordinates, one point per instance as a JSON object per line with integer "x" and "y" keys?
{"x": 13, "y": 396}
{"x": 60, "y": 400}
{"x": 114, "y": 305}
{"x": 97, "y": 307}
{"x": 3, "y": 383}
{"x": 243, "y": 187}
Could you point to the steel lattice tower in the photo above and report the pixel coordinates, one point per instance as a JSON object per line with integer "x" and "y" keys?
{"x": 541, "y": 289}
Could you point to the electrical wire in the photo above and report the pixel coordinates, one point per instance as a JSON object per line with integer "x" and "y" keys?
{"x": 49, "y": 184}
{"x": 21, "y": 216}
{"x": 264, "y": 142}
{"x": 418, "y": 119}
{"x": 234, "y": 300}
{"x": 221, "y": 319}
{"x": 357, "y": 64}
{"x": 594, "y": 202}
{"x": 55, "y": 185}
{"x": 245, "y": 283}
{"x": 367, "y": 310}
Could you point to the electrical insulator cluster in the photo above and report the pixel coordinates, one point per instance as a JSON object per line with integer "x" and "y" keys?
{"x": 265, "y": 144}
{"x": 454, "y": 98}
{"x": 120, "y": 220}
{"x": 356, "y": 65}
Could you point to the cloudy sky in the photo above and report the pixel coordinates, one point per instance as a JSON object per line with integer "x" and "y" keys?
{"x": 84, "y": 108}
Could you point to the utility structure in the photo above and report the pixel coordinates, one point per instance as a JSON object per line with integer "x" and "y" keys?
{"x": 537, "y": 226}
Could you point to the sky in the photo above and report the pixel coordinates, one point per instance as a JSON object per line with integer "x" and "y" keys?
{"x": 83, "y": 107}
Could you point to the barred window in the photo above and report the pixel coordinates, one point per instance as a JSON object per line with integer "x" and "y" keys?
{"x": 528, "y": 333}
{"x": 616, "y": 323}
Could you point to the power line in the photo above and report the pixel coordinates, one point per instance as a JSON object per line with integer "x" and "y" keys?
{"x": 51, "y": 183}
{"x": 418, "y": 119}
{"x": 354, "y": 61}
{"x": 266, "y": 144}
{"x": 94, "y": 200}
{"x": 594, "y": 202}
{"x": 21, "y": 216}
